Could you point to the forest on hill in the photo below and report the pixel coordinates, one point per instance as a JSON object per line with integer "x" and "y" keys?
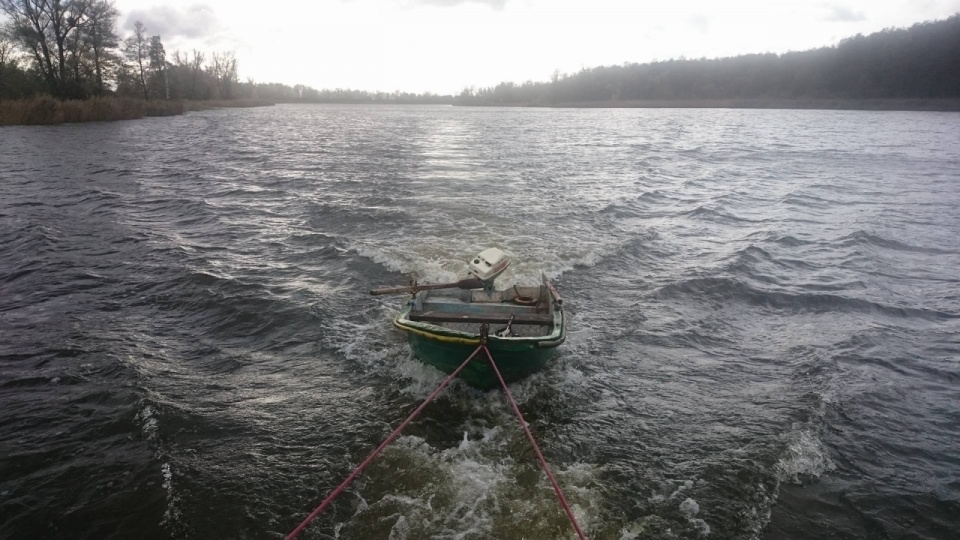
{"x": 919, "y": 62}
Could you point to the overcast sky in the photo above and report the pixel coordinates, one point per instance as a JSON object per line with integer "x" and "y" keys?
{"x": 443, "y": 46}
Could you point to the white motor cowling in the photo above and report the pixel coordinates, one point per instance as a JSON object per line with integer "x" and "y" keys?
{"x": 489, "y": 264}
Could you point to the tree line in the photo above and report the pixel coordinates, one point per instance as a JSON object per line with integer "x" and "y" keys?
{"x": 71, "y": 49}
{"x": 282, "y": 93}
{"x": 920, "y": 62}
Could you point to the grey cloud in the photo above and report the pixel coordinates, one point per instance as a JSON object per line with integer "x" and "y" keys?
{"x": 700, "y": 23}
{"x": 197, "y": 21}
{"x": 843, "y": 13}
{"x": 495, "y": 4}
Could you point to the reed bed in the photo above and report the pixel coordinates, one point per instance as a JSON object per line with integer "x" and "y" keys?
{"x": 46, "y": 110}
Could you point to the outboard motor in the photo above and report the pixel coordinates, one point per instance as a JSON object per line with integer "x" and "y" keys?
{"x": 486, "y": 266}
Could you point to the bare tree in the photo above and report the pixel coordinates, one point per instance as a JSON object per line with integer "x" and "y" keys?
{"x": 6, "y": 52}
{"x": 225, "y": 72}
{"x": 136, "y": 47}
{"x": 43, "y": 28}
{"x": 180, "y": 59}
{"x": 158, "y": 64}
{"x": 6, "y": 47}
{"x": 217, "y": 71}
{"x": 101, "y": 35}
{"x": 78, "y": 48}
{"x": 554, "y": 85}
{"x": 230, "y": 76}
{"x": 196, "y": 68}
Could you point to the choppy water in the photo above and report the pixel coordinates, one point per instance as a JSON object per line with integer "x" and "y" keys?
{"x": 764, "y": 310}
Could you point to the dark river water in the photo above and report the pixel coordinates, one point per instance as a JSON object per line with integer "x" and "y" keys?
{"x": 763, "y": 313}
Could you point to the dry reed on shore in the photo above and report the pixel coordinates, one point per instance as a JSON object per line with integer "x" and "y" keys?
{"x": 46, "y": 110}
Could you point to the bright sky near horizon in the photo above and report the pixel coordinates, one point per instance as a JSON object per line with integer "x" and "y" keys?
{"x": 443, "y": 46}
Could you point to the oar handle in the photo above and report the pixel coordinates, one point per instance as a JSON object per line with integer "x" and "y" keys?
{"x": 469, "y": 283}
{"x": 394, "y": 290}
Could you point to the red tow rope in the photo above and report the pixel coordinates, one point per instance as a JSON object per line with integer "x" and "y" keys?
{"x": 333, "y": 494}
{"x": 536, "y": 448}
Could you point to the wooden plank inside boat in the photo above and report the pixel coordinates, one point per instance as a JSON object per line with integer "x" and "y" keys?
{"x": 490, "y": 318}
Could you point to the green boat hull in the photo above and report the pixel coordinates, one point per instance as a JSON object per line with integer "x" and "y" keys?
{"x": 515, "y": 361}
{"x": 444, "y": 328}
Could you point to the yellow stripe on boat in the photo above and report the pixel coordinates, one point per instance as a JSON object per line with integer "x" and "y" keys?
{"x": 437, "y": 337}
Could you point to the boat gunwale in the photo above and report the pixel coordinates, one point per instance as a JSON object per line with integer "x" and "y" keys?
{"x": 442, "y": 333}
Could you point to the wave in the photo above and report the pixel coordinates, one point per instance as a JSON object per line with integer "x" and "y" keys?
{"x": 163, "y": 212}
{"x": 438, "y": 259}
{"x": 252, "y": 192}
{"x": 808, "y": 201}
{"x": 354, "y": 218}
{"x": 618, "y": 210}
{"x": 790, "y": 241}
{"x": 725, "y": 289}
{"x": 32, "y": 238}
{"x": 473, "y": 488}
{"x": 803, "y": 459}
{"x": 722, "y": 215}
{"x": 861, "y": 238}
{"x": 747, "y": 260}
{"x": 226, "y": 307}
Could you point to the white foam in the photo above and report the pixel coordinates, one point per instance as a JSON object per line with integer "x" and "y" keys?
{"x": 689, "y": 507}
{"x": 367, "y": 342}
{"x": 148, "y": 422}
{"x": 474, "y": 485}
{"x": 804, "y": 457}
{"x": 701, "y": 526}
{"x": 172, "y": 512}
{"x": 400, "y": 529}
{"x": 149, "y": 427}
{"x": 418, "y": 378}
{"x": 687, "y": 484}
{"x": 443, "y": 258}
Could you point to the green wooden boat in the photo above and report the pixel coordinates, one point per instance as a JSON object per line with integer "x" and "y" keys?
{"x": 523, "y": 326}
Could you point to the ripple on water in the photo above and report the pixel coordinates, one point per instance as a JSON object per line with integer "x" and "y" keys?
{"x": 760, "y": 306}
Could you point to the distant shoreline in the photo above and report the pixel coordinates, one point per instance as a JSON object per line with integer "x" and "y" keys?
{"x": 891, "y": 104}
{"x": 45, "y": 110}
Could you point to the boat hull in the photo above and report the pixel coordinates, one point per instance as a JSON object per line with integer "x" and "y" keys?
{"x": 444, "y": 328}
{"x": 514, "y": 360}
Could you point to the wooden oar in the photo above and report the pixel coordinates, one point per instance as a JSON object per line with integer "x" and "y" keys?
{"x": 469, "y": 283}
